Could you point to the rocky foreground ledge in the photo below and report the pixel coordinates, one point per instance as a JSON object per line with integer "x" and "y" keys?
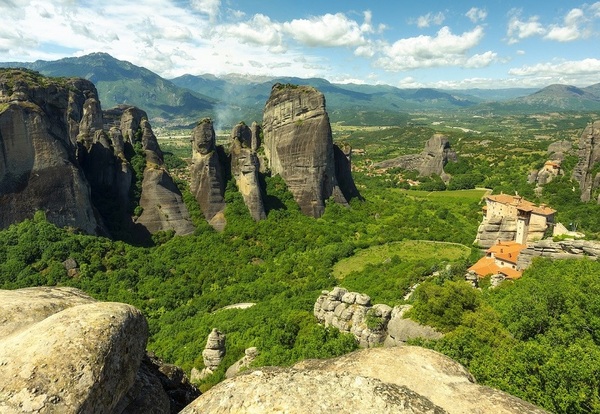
{"x": 61, "y": 351}
{"x": 404, "y": 379}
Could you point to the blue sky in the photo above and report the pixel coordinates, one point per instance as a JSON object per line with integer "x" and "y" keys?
{"x": 444, "y": 44}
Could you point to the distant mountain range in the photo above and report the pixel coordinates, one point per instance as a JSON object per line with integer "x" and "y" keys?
{"x": 182, "y": 101}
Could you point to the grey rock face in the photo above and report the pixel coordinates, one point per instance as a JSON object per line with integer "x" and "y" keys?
{"x": 403, "y": 379}
{"x": 496, "y": 228}
{"x": 298, "y": 391}
{"x": 299, "y": 146}
{"x": 371, "y": 325}
{"x": 430, "y": 161}
{"x": 86, "y": 360}
{"x": 427, "y": 373}
{"x": 245, "y": 167}
{"x": 214, "y": 351}
{"x": 90, "y": 357}
{"x": 58, "y": 152}
{"x": 589, "y": 155}
{"x": 38, "y": 166}
{"x": 162, "y": 204}
{"x": 207, "y": 178}
{"x": 564, "y": 249}
{"x": 161, "y": 201}
{"x": 250, "y": 355}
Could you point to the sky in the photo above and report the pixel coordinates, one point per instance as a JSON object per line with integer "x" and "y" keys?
{"x": 441, "y": 44}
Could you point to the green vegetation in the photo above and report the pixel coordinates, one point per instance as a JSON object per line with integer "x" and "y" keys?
{"x": 404, "y": 250}
{"x": 536, "y": 338}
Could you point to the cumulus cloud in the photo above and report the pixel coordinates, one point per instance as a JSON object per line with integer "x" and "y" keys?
{"x": 208, "y": 7}
{"x": 481, "y": 60}
{"x": 328, "y": 30}
{"x": 570, "y": 30}
{"x": 577, "y": 24}
{"x": 430, "y": 19}
{"x": 562, "y": 68}
{"x": 476, "y": 15}
{"x": 521, "y": 29}
{"x": 444, "y": 49}
{"x": 260, "y": 30}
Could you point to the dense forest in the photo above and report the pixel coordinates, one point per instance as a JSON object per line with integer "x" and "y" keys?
{"x": 537, "y": 338}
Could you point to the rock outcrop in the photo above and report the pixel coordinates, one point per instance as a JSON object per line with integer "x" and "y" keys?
{"x": 61, "y": 154}
{"x": 245, "y": 167}
{"x": 250, "y": 355}
{"x": 552, "y": 167}
{"x": 377, "y": 380}
{"x": 161, "y": 204}
{"x": 430, "y": 161}
{"x": 38, "y": 163}
{"x": 589, "y": 155}
{"x": 212, "y": 355}
{"x": 207, "y": 175}
{"x": 299, "y": 146}
{"x": 371, "y": 325}
{"x": 89, "y": 358}
{"x": 564, "y": 249}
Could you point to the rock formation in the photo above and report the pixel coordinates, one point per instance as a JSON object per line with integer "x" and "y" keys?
{"x": 160, "y": 202}
{"x": 61, "y": 154}
{"x": 214, "y": 351}
{"x": 430, "y": 161}
{"x": 245, "y": 167}
{"x": 89, "y": 358}
{"x": 589, "y": 155}
{"x": 371, "y": 325}
{"x": 207, "y": 176}
{"x": 250, "y": 355}
{"x": 212, "y": 355}
{"x": 38, "y": 164}
{"x": 564, "y": 249}
{"x": 299, "y": 146}
{"x": 552, "y": 167}
{"x": 377, "y": 380}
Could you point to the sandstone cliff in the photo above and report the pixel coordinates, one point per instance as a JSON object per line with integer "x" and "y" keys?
{"x": 589, "y": 156}
{"x": 431, "y": 161}
{"x": 376, "y": 380}
{"x": 207, "y": 175}
{"x": 245, "y": 167}
{"x": 299, "y": 146}
{"x": 90, "y": 357}
{"x": 371, "y": 325}
{"x": 38, "y": 164}
{"x": 61, "y": 154}
{"x": 564, "y": 249}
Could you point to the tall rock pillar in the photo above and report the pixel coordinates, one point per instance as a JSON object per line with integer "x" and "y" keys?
{"x": 299, "y": 146}
{"x": 245, "y": 167}
{"x": 207, "y": 178}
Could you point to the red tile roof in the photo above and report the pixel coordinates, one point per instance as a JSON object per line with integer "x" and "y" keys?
{"x": 521, "y": 204}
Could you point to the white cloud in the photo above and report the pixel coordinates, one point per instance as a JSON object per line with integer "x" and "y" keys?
{"x": 409, "y": 82}
{"x": 519, "y": 29}
{"x": 559, "y": 68}
{"x": 444, "y": 49}
{"x": 476, "y": 15}
{"x": 430, "y": 19}
{"x": 328, "y": 30}
{"x": 577, "y": 24}
{"x": 208, "y": 7}
{"x": 481, "y": 60}
{"x": 260, "y": 30}
{"x": 571, "y": 29}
